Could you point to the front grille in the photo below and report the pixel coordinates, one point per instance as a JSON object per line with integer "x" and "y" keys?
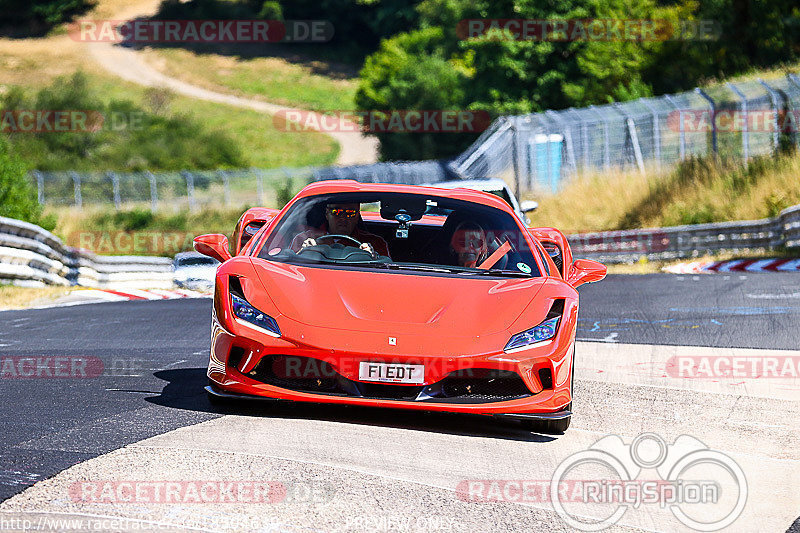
{"x": 484, "y": 385}
{"x": 306, "y": 374}
{"x": 302, "y": 374}
{"x": 385, "y": 391}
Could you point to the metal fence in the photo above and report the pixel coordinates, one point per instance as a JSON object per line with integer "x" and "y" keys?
{"x": 184, "y": 189}
{"x": 541, "y": 150}
{"x": 195, "y": 189}
{"x": 534, "y": 152}
{"x": 677, "y": 242}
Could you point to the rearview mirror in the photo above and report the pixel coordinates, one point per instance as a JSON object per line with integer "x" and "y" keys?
{"x": 526, "y": 206}
{"x": 213, "y": 245}
{"x": 586, "y": 271}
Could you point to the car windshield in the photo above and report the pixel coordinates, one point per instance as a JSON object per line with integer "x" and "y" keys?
{"x": 401, "y": 232}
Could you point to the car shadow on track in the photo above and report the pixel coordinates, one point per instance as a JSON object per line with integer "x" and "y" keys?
{"x": 184, "y": 390}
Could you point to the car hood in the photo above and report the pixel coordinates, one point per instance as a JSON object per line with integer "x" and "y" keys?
{"x": 405, "y": 302}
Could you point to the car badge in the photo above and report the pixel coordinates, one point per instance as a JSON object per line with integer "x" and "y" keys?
{"x": 392, "y": 341}
{"x": 524, "y": 268}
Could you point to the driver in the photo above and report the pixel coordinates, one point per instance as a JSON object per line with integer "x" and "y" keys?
{"x": 469, "y": 244}
{"x": 343, "y": 219}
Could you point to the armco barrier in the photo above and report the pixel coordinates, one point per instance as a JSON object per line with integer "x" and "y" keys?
{"x": 680, "y": 242}
{"x": 29, "y": 253}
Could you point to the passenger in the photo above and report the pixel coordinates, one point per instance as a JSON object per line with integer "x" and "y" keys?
{"x": 343, "y": 219}
{"x": 469, "y": 244}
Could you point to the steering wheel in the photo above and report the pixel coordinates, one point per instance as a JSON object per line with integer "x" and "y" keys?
{"x": 335, "y": 236}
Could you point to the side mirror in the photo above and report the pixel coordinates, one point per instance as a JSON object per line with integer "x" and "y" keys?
{"x": 213, "y": 245}
{"x": 526, "y": 206}
{"x": 586, "y": 271}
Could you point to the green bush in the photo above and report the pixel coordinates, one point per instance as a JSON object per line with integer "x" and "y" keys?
{"x": 17, "y": 196}
{"x": 271, "y": 10}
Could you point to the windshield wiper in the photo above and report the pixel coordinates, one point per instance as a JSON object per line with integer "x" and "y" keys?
{"x": 420, "y": 268}
{"x": 499, "y": 272}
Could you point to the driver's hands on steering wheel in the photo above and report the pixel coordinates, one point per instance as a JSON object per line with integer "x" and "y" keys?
{"x": 367, "y": 247}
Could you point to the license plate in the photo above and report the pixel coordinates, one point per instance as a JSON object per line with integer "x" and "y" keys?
{"x": 391, "y": 373}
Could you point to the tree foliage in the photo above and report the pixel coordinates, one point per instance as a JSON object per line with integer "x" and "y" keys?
{"x": 501, "y": 75}
{"x": 26, "y": 17}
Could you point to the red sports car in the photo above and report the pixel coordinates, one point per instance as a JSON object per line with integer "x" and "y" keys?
{"x": 397, "y": 296}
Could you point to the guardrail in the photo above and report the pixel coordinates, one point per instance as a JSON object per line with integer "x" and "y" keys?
{"x": 32, "y": 255}
{"x": 679, "y": 242}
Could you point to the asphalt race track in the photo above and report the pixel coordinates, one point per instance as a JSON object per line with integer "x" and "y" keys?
{"x": 140, "y": 415}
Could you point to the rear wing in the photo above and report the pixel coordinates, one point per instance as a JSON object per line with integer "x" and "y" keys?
{"x": 556, "y": 245}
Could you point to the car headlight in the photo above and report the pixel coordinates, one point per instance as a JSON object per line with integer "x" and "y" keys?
{"x": 249, "y": 316}
{"x": 543, "y": 332}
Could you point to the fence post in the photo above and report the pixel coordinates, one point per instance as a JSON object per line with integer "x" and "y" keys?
{"x": 259, "y": 185}
{"x": 39, "y": 186}
{"x": 713, "y": 106}
{"x": 745, "y": 127}
{"x": 773, "y": 95}
{"x": 226, "y": 183}
{"x": 115, "y": 184}
{"x": 656, "y": 132}
{"x": 153, "y": 192}
{"x": 76, "y": 181}
{"x": 606, "y": 143}
{"x": 633, "y": 136}
{"x": 528, "y": 152}
{"x": 189, "y": 189}
{"x": 515, "y": 158}
{"x": 681, "y": 126}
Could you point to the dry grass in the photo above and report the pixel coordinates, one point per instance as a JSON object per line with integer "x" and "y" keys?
{"x": 271, "y": 79}
{"x": 593, "y": 202}
{"x": 695, "y": 192}
{"x": 12, "y": 297}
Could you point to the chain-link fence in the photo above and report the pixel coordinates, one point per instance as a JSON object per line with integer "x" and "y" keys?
{"x": 541, "y": 150}
{"x": 536, "y": 151}
{"x": 182, "y": 190}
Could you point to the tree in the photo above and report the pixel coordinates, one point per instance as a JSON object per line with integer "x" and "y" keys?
{"x": 21, "y": 17}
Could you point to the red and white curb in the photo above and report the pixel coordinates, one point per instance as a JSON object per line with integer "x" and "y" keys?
{"x": 81, "y": 296}
{"x": 110, "y": 295}
{"x": 735, "y": 265}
